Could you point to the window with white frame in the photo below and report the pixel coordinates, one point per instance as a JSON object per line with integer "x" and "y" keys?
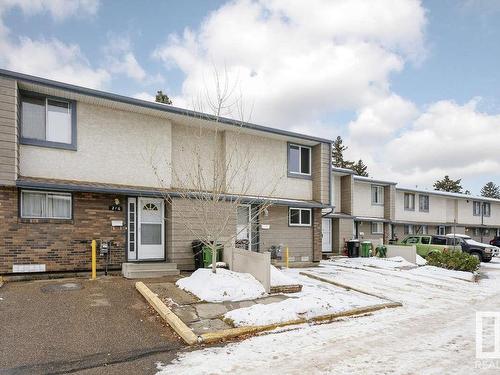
{"x": 299, "y": 160}
{"x": 476, "y": 208}
{"x": 300, "y": 217}
{"x": 441, "y": 230}
{"x": 377, "y": 194}
{"x": 423, "y": 203}
{"x": 486, "y": 209}
{"x": 408, "y": 229}
{"x": 45, "y": 205}
{"x": 377, "y": 227}
{"x": 421, "y": 229}
{"x": 46, "y": 121}
{"x": 409, "y": 201}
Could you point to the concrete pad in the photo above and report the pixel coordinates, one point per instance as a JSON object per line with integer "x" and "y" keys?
{"x": 208, "y": 325}
{"x": 272, "y": 299}
{"x": 210, "y": 310}
{"x": 238, "y": 305}
{"x": 186, "y": 313}
{"x": 167, "y": 290}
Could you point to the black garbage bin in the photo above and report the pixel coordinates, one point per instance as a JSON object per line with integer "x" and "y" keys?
{"x": 197, "y": 246}
{"x": 353, "y": 248}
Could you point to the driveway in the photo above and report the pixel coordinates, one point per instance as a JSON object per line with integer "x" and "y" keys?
{"x": 79, "y": 326}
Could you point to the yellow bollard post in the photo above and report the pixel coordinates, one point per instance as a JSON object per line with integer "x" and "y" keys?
{"x": 286, "y": 256}
{"x": 94, "y": 256}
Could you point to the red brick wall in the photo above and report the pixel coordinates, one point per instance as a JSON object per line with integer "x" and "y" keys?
{"x": 60, "y": 244}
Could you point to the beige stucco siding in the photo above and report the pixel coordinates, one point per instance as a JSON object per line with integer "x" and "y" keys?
{"x": 113, "y": 147}
{"x": 362, "y": 202}
{"x": 336, "y": 192}
{"x": 259, "y": 165}
{"x": 441, "y": 209}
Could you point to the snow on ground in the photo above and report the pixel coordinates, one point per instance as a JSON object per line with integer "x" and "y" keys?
{"x": 433, "y": 333}
{"x": 388, "y": 263}
{"x": 222, "y": 286}
{"x": 421, "y": 261}
{"x": 316, "y": 298}
{"x": 439, "y": 272}
{"x": 278, "y": 278}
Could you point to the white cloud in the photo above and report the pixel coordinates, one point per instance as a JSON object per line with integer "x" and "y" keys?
{"x": 145, "y": 96}
{"x": 120, "y": 59}
{"x": 49, "y": 58}
{"x": 297, "y": 60}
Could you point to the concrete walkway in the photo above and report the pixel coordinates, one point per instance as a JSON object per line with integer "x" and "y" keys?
{"x": 79, "y": 326}
{"x": 202, "y": 317}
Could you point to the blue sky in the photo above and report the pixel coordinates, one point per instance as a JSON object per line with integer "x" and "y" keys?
{"x": 406, "y": 83}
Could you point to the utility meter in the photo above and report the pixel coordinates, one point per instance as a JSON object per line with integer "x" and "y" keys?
{"x": 104, "y": 248}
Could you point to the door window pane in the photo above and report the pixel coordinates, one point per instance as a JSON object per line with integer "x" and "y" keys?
{"x": 33, "y": 118}
{"x": 151, "y": 234}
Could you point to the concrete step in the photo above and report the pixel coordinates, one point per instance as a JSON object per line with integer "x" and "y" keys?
{"x": 147, "y": 270}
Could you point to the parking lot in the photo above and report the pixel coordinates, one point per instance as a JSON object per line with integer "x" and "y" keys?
{"x": 79, "y": 326}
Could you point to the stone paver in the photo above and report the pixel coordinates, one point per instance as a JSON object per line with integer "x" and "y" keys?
{"x": 208, "y": 325}
{"x": 210, "y": 310}
{"x": 186, "y": 313}
{"x": 170, "y": 291}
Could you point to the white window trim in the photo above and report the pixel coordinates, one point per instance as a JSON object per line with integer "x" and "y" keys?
{"x": 47, "y": 193}
{"x": 474, "y": 203}
{"x": 376, "y": 231}
{"x": 300, "y": 217}
{"x": 484, "y": 210}
{"x": 410, "y": 232}
{"x": 404, "y": 202}
{"x": 428, "y": 203}
{"x": 300, "y": 160}
{"x": 380, "y": 188}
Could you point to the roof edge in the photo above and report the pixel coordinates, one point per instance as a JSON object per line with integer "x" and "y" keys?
{"x": 154, "y": 105}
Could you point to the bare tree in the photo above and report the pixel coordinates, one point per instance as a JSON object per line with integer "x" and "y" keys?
{"x": 216, "y": 172}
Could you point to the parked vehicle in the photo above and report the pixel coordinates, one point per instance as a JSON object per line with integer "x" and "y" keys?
{"x": 496, "y": 243}
{"x": 484, "y": 252}
{"x": 427, "y": 244}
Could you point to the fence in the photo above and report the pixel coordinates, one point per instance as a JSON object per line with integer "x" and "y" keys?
{"x": 256, "y": 264}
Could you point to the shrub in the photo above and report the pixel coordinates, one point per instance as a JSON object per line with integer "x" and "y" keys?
{"x": 453, "y": 260}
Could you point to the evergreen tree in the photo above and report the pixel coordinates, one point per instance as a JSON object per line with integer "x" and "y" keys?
{"x": 338, "y": 154}
{"x": 162, "y": 98}
{"x": 449, "y": 185}
{"x": 491, "y": 190}
{"x": 360, "y": 168}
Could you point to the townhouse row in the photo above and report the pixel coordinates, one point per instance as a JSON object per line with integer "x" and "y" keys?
{"x": 78, "y": 164}
{"x": 372, "y": 209}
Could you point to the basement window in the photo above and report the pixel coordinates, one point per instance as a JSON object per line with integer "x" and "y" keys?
{"x": 45, "y": 205}
{"x": 48, "y": 121}
{"x": 300, "y": 217}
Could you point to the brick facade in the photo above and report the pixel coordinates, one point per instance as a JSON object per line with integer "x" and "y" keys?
{"x": 62, "y": 245}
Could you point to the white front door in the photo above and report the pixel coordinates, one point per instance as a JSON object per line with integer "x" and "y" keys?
{"x": 327, "y": 235}
{"x": 150, "y": 229}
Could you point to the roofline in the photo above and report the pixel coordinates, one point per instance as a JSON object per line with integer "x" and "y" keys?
{"x": 373, "y": 181}
{"x": 342, "y": 170}
{"x": 153, "y": 105}
{"x": 449, "y": 194}
{"x": 41, "y": 185}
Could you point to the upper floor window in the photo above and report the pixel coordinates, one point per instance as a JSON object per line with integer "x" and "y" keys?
{"x": 300, "y": 217}
{"x": 476, "y": 208}
{"x": 45, "y": 205}
{"x": 47, "y": 121}
{"x": 409, "y": 201}
{"x": 423, "y": 203}
{"x": 377, "y": 194}
{"x": 299, "y": 160}
{"x": 486, "y": 209}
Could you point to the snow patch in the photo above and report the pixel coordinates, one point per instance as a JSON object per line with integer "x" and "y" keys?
{"x": 442, "y": 273}
{"x": 278, "y": 278}
{"x": 222, "y": 286}
{"x": 386, "y": 263}
{"x": 421, "y": 261}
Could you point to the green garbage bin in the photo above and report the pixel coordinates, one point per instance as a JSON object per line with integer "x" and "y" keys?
{"x": 366, "y": 246}
{"x": 207, "y": 256}
{"x": 381, "y": 251}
